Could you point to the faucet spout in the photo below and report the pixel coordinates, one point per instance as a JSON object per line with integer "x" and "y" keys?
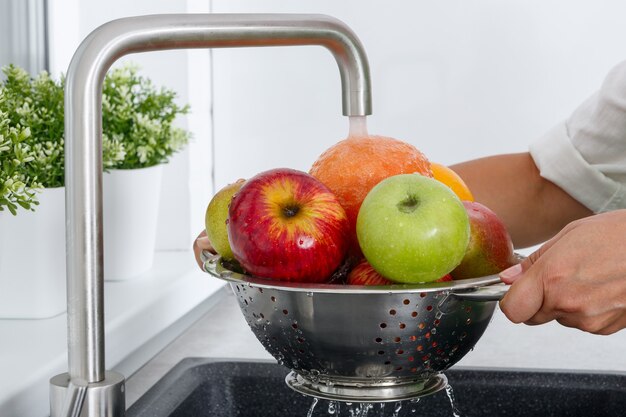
{"x": 83, "y": 135}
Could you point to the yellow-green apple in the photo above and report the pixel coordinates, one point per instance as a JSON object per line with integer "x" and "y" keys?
{"x": 412, "y": 229}
{"x": 364, "y": 274}
{"x": 216, "y": 219}
{"x": 490, "y": 249}
{"x": 285, "y": 224}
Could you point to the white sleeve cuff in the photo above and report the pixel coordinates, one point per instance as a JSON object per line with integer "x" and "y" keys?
{"x": 561, "y": 163}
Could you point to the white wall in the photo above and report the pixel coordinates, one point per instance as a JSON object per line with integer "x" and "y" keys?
{"x": 458, "y": 79}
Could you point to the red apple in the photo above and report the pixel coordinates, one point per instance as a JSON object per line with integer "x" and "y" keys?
{"x": 445, "y": 278}
{"x": 285, "y": 224}
{"x": 364, "y": 274}
{"x": 490, "y": 249}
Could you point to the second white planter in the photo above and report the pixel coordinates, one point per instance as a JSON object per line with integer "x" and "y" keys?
{"x": 32, "y": 259}
{"x": 130, "y": 214}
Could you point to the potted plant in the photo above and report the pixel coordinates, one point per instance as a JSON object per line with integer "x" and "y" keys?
{"x": 138, "y": 137}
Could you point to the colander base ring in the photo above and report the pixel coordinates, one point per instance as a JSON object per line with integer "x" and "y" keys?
{"x": 366, "y": 393}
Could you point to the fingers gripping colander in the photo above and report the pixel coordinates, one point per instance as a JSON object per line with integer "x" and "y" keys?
{"x": 364, "y": 344}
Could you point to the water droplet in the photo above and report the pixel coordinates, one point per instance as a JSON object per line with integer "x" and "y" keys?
{"x": 309, "y": 294}
{"x": 396, "y": 409}
{"x": 450, "y": 393}
{"x": 315, "y": 401}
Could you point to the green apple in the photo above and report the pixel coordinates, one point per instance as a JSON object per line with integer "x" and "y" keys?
{"x": 216, "y": 219}
{"x": 412, "y": 229}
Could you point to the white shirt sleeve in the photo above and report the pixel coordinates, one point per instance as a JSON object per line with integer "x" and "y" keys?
{"x": 586, "y": 154}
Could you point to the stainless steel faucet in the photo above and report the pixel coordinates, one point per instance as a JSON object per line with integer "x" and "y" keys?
{"x": 87, "y": 389}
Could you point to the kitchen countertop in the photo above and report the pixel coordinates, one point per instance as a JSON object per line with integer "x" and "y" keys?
{"x": 223, "y": 333}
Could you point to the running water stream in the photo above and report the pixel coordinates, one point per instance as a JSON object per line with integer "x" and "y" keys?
{"x": 358, "y": 126}
{"x": 410, "y": 408}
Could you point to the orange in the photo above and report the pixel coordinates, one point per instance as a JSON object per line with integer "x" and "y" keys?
{"x": 353, "y": 166}
{"x": 450, "y": 178}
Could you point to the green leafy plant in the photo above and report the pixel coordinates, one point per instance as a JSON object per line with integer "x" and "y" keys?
{"x": 137, "y": 120}
{"x": 16, "y": 188}
{"x": 137, "y": 127}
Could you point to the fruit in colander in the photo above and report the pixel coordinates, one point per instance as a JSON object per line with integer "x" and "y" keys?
{"x": 412, "y": 229}
{"x": 490, "y": 249}
{"x": 447, "y": 176}
{"x": 284, "y": 224}
{"x": 216, "y": 218}
{"x": 353, "y": 166}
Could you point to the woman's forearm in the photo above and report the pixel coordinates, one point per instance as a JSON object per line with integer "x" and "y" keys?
{"x": 533, "y": 208}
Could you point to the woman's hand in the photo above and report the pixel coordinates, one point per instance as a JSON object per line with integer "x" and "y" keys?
{"x": 577, "y": 278}
{"x": 202, "y": 243}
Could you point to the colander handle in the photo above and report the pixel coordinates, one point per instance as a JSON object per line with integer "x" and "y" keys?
{"x": 493, "y": 292}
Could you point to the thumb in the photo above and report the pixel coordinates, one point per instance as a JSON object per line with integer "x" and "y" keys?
{"x": 513, "y": 273}
{"x": 525, "y": 297}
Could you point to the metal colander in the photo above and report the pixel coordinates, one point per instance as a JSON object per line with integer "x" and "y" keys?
{"x": 364, "y": 344}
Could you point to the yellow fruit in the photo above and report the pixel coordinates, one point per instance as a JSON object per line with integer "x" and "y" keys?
{"x": 450, "y": 178}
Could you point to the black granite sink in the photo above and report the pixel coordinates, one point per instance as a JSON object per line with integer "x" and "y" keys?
{"x": 208, "y": 387}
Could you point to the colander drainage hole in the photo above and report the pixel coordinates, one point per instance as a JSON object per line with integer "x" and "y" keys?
{"x": 273, "y": 299}
{"x": 405, "y": 301}
{"x": 381, "y": 352}
{"x": 392, "y": 312}
{"x": 285, "y": 312}
{"x": 383, "y": 325}
{"x": 414, "y": 314}
{"x": 294, "y": 325}
{"x": 396, "y": 339}
{"x": 379, "y": 340}
{"x": 429, "y": 308}
{"x": 402, "y": 325}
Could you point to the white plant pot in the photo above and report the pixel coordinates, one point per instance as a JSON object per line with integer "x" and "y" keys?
{"x": 32, "y": 259}
{"x": 130, "y": 214}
